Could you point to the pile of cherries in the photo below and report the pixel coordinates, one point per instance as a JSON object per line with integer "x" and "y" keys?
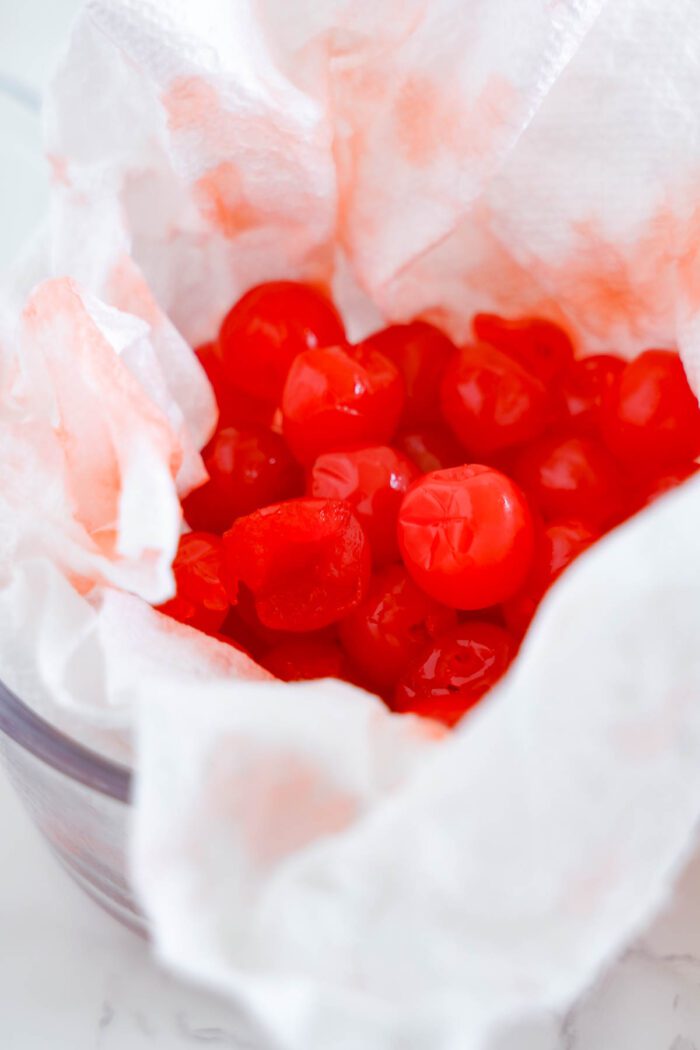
{"x": 392, "y": 512}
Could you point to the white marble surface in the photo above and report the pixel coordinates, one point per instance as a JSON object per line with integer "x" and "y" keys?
{"x": 70, "y": 977}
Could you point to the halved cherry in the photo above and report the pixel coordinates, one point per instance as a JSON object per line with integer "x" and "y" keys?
{"x": 201, "y": 598}
{"x": 306, "y": 562}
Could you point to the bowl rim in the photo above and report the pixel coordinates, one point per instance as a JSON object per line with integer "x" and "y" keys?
{"x": 21, "y": 724}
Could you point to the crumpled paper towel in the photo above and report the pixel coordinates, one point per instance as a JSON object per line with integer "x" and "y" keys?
{"x": 356, "y": 878}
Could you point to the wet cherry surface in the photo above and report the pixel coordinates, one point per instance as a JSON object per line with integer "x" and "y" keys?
{"x": 650, "y": 416}
{"x": 452, "y": 675}
{"x": 466, "y": 536}
{"x": 421, "y": 353}
{"x": 393, "y": 512}
{"x": 395, "y": 620}
{"x": 248, "y": 468}
{"x": 201, "y": 600}
{"x": 574, "y": 477}
{"x": 337, "y": 398}
{"x": 266, "y": 329}
{"x": 374, "y": 481}
{"x": 491, "y": 402}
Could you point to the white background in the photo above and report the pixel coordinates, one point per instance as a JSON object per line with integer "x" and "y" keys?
{"x": 70, "y": 977}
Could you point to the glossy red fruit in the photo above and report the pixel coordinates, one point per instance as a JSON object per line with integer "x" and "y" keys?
{"x": 571, "y": 477}
{"x": 651, "y": 418}
{"x": 302, "y": 659}
{"x": 374, "y": 481}
{"x": 540, "y": 346}
{"x": 557, "y": 546}
{"x": 450, "y": 677}
{"x": 247, "y": 469}
{"x": 337, "y": 398}
{"x": 563, "y": 541}
{"x": 430, "y": 448}
{"x": 235, "y": 407}
{"x": 584, "y": 386}
{"x": 491, "y": 402}
{"x": 421, "y": 353}
{"x": 519, "y": 611}
{"x": 394, "y": 622}
{"x": 243, "y": 624}
{"x": 466, "y": 536}
{"x": 306, "y": 562}
{"x": 664, "y": 483}
{"x": 266, "y": 329}
{"x": 243, "y": 636}
{"x": 201, "y": 598}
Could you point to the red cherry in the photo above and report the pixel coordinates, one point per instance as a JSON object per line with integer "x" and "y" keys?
{"x": 585, "y": 385}
{"x": 243, "y": 625}
{"x": 301, "y": 659}
{"x": 394, "y": 621}
{"x": 243, "y": 636}
{"x": 421, "y": 353}
{"x": 540, "y": 346}
{"x": 519, "y": 611}
{"x": 200, "y": 598}
{"x": 430, "y": 448}
{"x": 451, "y": 676}
{"x": 373, "y": 481}
{"x": 234, "y": 406}
{"x": 563, "y": 541}
{"x": 466, "y": 536}
{"x": 245, "y": 613}
{"x": 664, "y": 483}
{"x": 571, "y": 477}
{"x": 651, "y": 417}
{"x": 491, "y": 402}
{"x": 247, "y": 469}
{"x": 266, "y": 329}
{"x": 336, "y": 398}
{"x": 306, "y": 562}
{"x": 557, "y": 546}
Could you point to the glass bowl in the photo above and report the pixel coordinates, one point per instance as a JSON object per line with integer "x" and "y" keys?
{"x": 78, "y": 799}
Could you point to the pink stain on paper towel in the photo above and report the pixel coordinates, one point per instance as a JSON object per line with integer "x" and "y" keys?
{"x": 432, "y": 118}
{"x": 602, "y": 288}
{"x": 58, "y": 169}
{"x": 608, "y": 287}
{"x": 190, "y": 103}
{"x": 193, "y": 104}
{"x": 278, "y": 802}
{"x": 221, "y": 200}
{"x": 103, "y": 414}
